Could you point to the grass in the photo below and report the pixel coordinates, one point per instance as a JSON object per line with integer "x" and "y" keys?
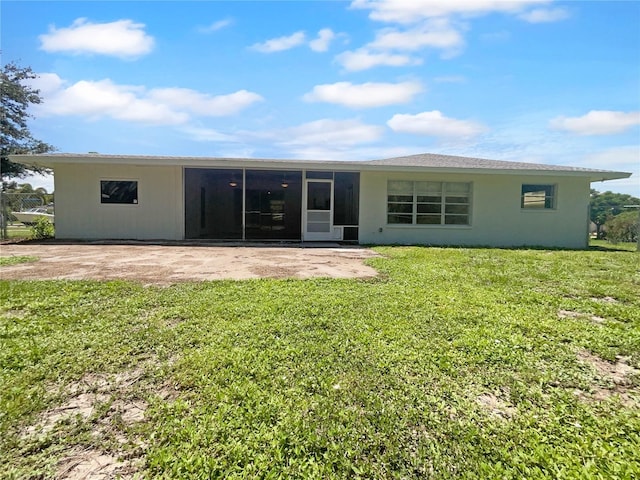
{"x": 16, "y": 259}
{"x": 18, "y": 231}
{"x": 626, "y": 246}
{"x": 454, "y": 363}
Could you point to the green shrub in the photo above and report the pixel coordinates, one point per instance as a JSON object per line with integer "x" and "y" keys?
{"x": 42, "y": 229}
{"x": 623, "y": 227}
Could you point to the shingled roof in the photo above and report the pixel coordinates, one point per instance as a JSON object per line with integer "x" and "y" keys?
{"x": 434, "y": 160}
{"x": 425, "y": 162}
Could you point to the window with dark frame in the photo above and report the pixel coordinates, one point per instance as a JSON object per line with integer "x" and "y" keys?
{"x": 538, "y": 197}
{"x": 119, "y": 192}
{"x": 428, "y": 203}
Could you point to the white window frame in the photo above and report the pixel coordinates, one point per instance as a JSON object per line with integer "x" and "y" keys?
{"x": 442, "y": 193}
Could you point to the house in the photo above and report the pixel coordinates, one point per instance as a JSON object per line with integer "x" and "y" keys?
{"x": 419, "y": 199}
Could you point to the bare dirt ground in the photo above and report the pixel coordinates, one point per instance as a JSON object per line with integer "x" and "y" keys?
{"x": 167, "y": 264}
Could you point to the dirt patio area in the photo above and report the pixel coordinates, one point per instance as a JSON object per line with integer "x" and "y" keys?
{"x": 166, "y": 264}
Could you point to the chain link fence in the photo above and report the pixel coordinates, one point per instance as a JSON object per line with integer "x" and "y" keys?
{"x": 19, "y": 202}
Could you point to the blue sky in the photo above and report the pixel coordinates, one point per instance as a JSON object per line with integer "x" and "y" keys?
{"x": 534, "y": 81}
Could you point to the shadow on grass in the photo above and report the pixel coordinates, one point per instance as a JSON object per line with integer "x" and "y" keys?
{"x": 590, "y": 248}
{"x": 612, "y": 248}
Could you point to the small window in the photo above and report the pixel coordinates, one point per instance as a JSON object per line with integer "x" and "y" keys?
{"x": 538, "y": 197}
{"x": 119, "y": 191}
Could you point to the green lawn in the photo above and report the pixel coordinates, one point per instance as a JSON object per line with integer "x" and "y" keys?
{"x": 454, "y": 363}
{"x": 627, "y": 246}
{"x": 18, "y": 231}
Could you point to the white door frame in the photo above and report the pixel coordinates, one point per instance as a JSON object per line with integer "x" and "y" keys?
{"x": 316, "y": 236}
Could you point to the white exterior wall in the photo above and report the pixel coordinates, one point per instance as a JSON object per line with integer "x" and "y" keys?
{"x": 159, "y": 213}
{"x": 496, "y": 217}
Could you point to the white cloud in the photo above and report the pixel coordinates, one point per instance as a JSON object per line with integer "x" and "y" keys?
{"x": 434, "y": 124}
{"x": 436, "y": 33}
{"x": 330, "y": 132}
{"x": 433, "y": 24}
{"x": 321, "y": 44}
{"x": 365, "y": 95}
{"x": 545, "y": 15}
{"x": 163, "y": 106}
{"x": 597, "y": 122}
{"x": 203, "y": 104}
{"x": 349, "y": 152}
{"x": 624, "y": 158}
{"x": 326, "y": 139}
{"x": 404, "y": 11}
{"x": 619, "y": 159}
{"x": 122, "y": 38}
{"x": 106, "y": 99}
{"x": 215, "y": 26}
{"x": 363, "y": 59}
{"x": 46, "y": 83}
{"x": 200, "y": 134}
{"x": 281, "y": 43}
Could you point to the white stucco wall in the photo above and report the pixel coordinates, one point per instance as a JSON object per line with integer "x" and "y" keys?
{"x": 496, "y": 216}
{"x": 159, "y": 213}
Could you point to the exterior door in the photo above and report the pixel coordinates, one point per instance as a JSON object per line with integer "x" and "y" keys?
{"x": 318, "y": 218}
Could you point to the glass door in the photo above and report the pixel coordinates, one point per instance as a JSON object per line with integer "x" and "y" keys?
{"x": 273, "y": 205}
{"x": 318, "y": 224}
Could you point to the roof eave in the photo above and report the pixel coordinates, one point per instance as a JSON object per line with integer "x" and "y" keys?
{"x": 594, "y": 176}
{"x": 604, "y": 176}
{"x": 51, "y": 160}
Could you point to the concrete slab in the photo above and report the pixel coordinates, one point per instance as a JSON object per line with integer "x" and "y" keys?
{"x": 168, "y": 263}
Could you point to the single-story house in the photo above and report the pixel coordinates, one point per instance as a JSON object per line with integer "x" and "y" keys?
{"x": 419, "y": 199}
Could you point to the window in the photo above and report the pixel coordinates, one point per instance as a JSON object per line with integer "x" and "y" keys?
{"x": 538, "y": 197}
{"x": 428, "y": 203}
{"x": 118, "y": 191}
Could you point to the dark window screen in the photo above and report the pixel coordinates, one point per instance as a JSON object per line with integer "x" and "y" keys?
{"x": 320, "y": 175}
{"x": 318, "y": 196}
{"x": 119, "y": 191}
{"x": 213, "y": 203}
{"x": 350, "y": 234}
{"x": 346, "y": 198}
{"x": 273, "y": 205}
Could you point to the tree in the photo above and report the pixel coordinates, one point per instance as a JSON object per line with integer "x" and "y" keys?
{"x": 607, "y": 205}
{"x": 12, "y": 189}
{"x": 623, "y": 227}
{"x": 16, "y": 97}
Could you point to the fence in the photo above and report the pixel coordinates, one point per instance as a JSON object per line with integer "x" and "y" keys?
{"x": 18, "y": 202}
